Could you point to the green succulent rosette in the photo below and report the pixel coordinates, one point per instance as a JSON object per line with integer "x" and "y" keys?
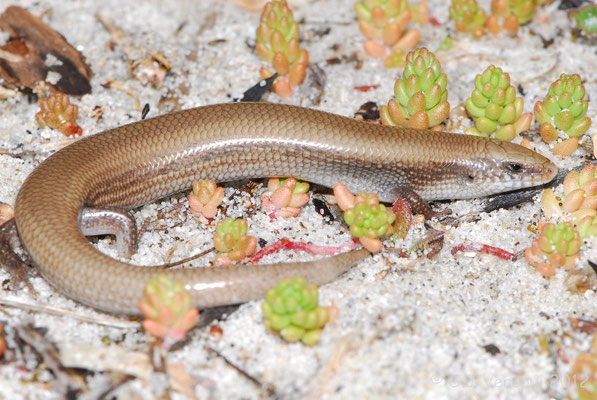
{"x": 564, "y": 108}
{"x": 228, "y": 234}
{"x": 586, "y": 19}
{"x": 291, "y": 310}
{"x": 277, "y": 29}
{"x": 420, "y": 95}
{"x": 468, "y": 17}
{"x": 523, "y": 9}
{"x": 561, "y": 239}
{"x": 368, "y": 218}
{"x": 161, "y": 292}
{"x": 494, "y": 106}
{"x": 377, "y": 18}
{"x": 278, "y": 41}
{"x": 557, "y": 246}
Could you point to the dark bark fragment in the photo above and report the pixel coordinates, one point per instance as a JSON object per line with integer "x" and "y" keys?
{"x": 22, "y": 59}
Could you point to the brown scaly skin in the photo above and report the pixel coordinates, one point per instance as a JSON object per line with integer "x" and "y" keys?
{"x": 134, "y": 164}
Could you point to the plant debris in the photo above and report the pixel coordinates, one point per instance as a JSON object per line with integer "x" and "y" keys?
{"x": 34, "y": 50}
{"x": 151, "y": 67}
{"x": 256, "y": 92}
{"x": 65, "y": 382}
{"x": 369, "y": 111}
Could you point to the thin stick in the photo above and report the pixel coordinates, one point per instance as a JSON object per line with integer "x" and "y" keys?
{"x": 267, "y": 387}
{"x": 186, "y": 260}
{"x": 62, "y": 312}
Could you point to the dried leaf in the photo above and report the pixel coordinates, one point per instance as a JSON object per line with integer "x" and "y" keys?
{"x": 31, "y": 43}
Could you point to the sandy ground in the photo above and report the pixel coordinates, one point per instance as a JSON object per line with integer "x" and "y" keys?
{"x": 403, "y": 332}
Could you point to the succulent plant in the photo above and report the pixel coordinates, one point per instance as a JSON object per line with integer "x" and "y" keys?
{"x": 580, "y": 195}
{"x": 368, "y": 218}
{"x": 291, "y": 310}
{"x": 586, "y": 19}
{"x": 420, "y": 95}
{"x": 167, "y": 310}
{"x": 384, "y": 23}
{"x": 494, "y": 106}
{"x": 564, "y": 110}
{"x": 205, "y": 199}
{"x": 419, "y": 12}
{"x": 557, "y": 246}
{"x": 278, "y": 43}
{"x": 395, "y": 59}
{"x": 232, "y": 242}
{"x": 468, "y": 17}
{"x": 587, "y": 227}
{"x": 524, "y": 10}
{"x": 58, "y": 113}
{"x": 285, "y": 197}
{"x": 580, "y": 188}
{"x": 513, "y": 14}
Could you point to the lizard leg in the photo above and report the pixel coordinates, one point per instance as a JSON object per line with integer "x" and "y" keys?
{"x": 9, "y": 255}
{"x": 417, "y": 204}
{"x": 111, "y": 221}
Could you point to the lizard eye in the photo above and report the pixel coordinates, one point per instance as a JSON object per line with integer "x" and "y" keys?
{"x": 514, "y": 167}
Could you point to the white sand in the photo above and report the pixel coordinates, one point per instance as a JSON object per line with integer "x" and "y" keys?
{"x": 401, "y": 333}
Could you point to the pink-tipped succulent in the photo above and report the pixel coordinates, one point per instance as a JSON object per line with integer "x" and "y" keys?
{"x": 468, "y": 17}
{"x": 6, "y": 212}
{"x": 421, "y": 98}
{"x": 278, "y": 43}
{"x": 367, "y": 218}
{"x": 580, "y": 195}
{"x": 205, "y": 199}
{"x": 285, "y": 197}
{"x": 564, "y": 111}
{"x": 511, "y": 13}
{"x": 232, "y": 242}
{"x": 495, "y": 108}
{"x": 557, "y": 246}
{"x": 291, "y": 309}
{"x": 384, "y": 23}
{"x": 584, "y": 373}
{"x": 167, "y": 310}
{"x": 58, "y": 113}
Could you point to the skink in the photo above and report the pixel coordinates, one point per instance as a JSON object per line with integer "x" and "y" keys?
{"x": 137, "y": 163}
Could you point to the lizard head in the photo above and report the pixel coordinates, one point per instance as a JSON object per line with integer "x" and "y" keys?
{"x": 519, "y": 167}
{"x": 505, "y": 166}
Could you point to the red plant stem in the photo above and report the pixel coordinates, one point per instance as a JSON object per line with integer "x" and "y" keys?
{"x": 484, "y": 248}
{"x": 366, "y": 88}
{"x": 285, "y": 244}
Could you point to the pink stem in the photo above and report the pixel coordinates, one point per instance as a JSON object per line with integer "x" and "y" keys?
{"x": 484, "y": 248}
{"x": 310, "y": 248}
